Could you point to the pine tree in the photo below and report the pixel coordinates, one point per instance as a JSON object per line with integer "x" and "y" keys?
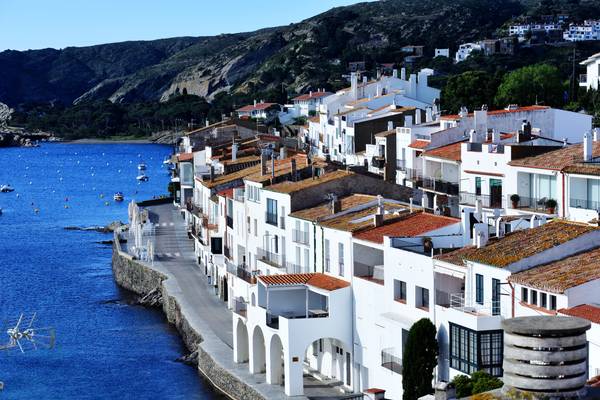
{"x": 419, "y": 359}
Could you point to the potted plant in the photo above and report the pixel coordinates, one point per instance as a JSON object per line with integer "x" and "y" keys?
{"x": 515, "y": 198}
{"x": 427, "y": 245}
{"x": 551, "y": 205}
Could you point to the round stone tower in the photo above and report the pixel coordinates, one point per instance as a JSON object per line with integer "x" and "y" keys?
{"x": 546, "y": 356}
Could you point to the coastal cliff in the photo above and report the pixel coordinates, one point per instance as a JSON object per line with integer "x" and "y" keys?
{"x": 214, "y": 358}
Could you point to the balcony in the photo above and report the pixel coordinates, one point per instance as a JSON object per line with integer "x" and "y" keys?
{"x": 415, "y": 176}
{"x": 299, "y": 236}
{"x": 240, "y": 307}
{"x": 269, "y": 257}
{"x": 390, "y": 359}
{"x": 292, "y": 268}
{"x": 372, "y": 273}
{"x": 227, "y": 252}
{"x": 487, "y": 201}
{"x": 532, "y": 204}
{"x": 401, "y": 165}
{"x": 441, "y": 186}
{"x": 584, "y": 204}
{"x": 378, "y": 162}
{"x": 487, "y": 308}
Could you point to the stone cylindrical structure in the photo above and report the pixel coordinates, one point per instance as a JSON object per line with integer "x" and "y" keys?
{"x": 546, "y": 356}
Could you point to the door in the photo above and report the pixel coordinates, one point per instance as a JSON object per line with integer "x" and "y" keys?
{"x": 495, "y": 193}
{"x": 495, "y": 296}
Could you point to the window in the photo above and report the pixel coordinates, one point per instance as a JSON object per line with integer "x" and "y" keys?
{"x": 275, "y": 244}
{"x": 400, "y": 291}
{"x": 255, "y": 227}
{"x": 543, "y": 300}
{"x": 326, "y": 252}
{"x": 422, "y": 298}
{"x": 341, "y": 258}
{"x": 478, "y": 185}
{"x": 524, "y": 293}
{"x": 472, "y": 351}
{"x": 253, "y": 194}
{"x": 552, "y": 302}
{"x": 249, "y": 221}
{"x": 534, "y": 297}
{"x": 271, "y": 217}
{"x": 479, "y": 288}
{"x": 495, "y": 296}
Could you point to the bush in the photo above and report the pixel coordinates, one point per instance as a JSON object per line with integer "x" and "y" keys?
{"x": 551, "y": 203}
{"x": 463, "y": 385}
{"x": 515, "y": 198}
{"x": 419, "y": 359}
{"x": 478, "y": 382}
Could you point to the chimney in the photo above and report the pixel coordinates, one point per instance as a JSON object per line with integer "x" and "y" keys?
{"x": 207, "y": 122}
{"x": 412, "y": 86}
{"x": 395, "y": 73}
{"x": 378, "y": 74}
{"x": 272, "y": 166}
{"x": 526, "y": 128}
{"x": 212, "y": 173}
{"x": 587, "y": 147}
{"x": 472, "y": 136}
{"x": 595, "y": 134}
{"x": 310, "y": 94}
{"x": 390, "y": 126}
{"x": 282, "y": 152}
{"x": 417, "y": 116}
{"x": 480, "y": 117}
{"x": 263, "y": 163}
{"x": 336, "y": 205}
{"x": 234, "y": 150}
{"x": 428, "y": 115}
{"x": 378, "y": 92}
{"x": 293, "y": 162}
{"x": 495, "y": 136}
{"x": 565, "y": 142}
{"x": 410, "y": 205}
{"x": 254, "y": 102}
{"x": 365, "y": 79}
{"x": 464, "y": 111}
{"x": 403, "y": 74}
{"x": 500, "y": 228}
{"x": 378, "y": 217}
{"x": 408, "y": 121}
{"x": 354, "y": 85}
{"x": 480, "y": 235}
{"x": 533, "y": 222}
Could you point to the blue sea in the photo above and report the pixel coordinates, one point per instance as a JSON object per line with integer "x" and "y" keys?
{"x": 105, "y": 347}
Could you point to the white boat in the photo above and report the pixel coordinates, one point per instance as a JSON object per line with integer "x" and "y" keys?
{"x": 167, "y": 161}
{"x": 118, "y": 196}
{"x": 142, "y": 166}
{"x": 142, "y": 178}
{"x": 6, "y": 189}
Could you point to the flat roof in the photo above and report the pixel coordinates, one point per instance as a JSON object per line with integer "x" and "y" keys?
{"x": 558, "y": 276}
{"x": 361, "y": 219}
{"x": 499, "y": 112}
{"x": 415, "y": 224}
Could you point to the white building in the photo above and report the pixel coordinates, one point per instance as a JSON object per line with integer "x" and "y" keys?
{"x": 590, "y": 30}
{"x": 262, "y": 111}
{"x": 465, "y": 50}
{"x": 592, "y": 76}
{"x": 442, "y": 53}
{"x": 307, "y": 104}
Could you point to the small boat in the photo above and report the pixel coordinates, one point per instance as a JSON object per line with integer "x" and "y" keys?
{"x": 118, "y": 196}
{"x": 142, "y": 178}
{"x": 6, "y": 189}
{"x": 142, "y": 166}
{"x": 167, "y": 161}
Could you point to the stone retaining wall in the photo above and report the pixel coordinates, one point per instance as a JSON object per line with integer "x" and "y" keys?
{"x": 142, "y": 279}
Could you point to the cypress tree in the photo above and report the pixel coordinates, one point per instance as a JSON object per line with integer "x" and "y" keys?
{"x": 419, "y": 359}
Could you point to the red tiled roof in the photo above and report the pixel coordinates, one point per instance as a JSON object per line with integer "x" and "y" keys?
{"x": 499, "y": 112}
{"x": 419, "y": 144}
{"x": 228, "y": 193}
{"x": 557, "y": 159}
{"x": 258, "y": 106}
{"x": 414, "y": 224}
{"x": 586, "y": 311}
{"x": 317, "y": 280}
{"x": 185, "y": 157}
{"x": 448, "y": 152}
{"x": 313, "y": 95}
{"x": 374, "y": 391}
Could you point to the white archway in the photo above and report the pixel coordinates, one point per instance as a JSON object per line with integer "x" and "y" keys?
{"x": 257, "y": 361}
{"x": 275, "y": 375}
{"x": 241, "y": 348}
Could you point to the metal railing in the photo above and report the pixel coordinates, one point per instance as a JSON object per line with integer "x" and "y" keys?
{"x": 292, "y": 268}
{"x": 391, "y": 360}
{"x": 401, "y": 165}
{"x": 487, "y": 201}
{"x": 441, "y": 186}
{"x": 532, "y": 203}
{"x": 585, "y": 204}
{"x": 270, "y": 257}
{"x": 458, "y": 302}
{"x": 414, "y": 175}
{"x": 227, "y": 251}
{"x": 240, "y": 307}
{"x": 299, "y": 236}
{"x": 272, "y": 321}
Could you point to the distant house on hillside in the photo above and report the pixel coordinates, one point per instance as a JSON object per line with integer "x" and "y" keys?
{"x": 308, "y": 102}
{"x": 262, "y": 110}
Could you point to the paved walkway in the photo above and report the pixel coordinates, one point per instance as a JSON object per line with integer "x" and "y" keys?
{"x": 174, "y": 255}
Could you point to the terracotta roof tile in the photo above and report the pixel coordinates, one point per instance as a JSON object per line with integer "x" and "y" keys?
{"x": 185, "y": 157}
{"x": 519, "y": 244}
{"x": 557, "y": 159}
{"x": 316, "y": 213}
{"x": 564, "y": 274}
{"x": 318, "y": 280}
{"x": 499, "y": 112}
{"x": 313, "y": 95}
{"x": 583, "y": 169}
{"x": 258, "y": 106}
{"x": 292, "y": 187}
{"x": 414, "y": 224}
{"x": 586, "y": 311}
{"x": 449, "y": 152}
{"x": 419, "y": 144}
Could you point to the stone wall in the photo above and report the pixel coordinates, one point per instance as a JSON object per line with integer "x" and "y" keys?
{"x": 143, "y": 279}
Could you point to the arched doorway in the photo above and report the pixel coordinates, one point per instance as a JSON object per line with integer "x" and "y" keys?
{"x": 257, "y": 362}
{"x": 276, "y": 373}
{"x": 331, "y": 358}
{"x": 241, "y": 350}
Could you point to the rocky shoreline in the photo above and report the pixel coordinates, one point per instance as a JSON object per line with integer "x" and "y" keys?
{"x": 23, "y": 139}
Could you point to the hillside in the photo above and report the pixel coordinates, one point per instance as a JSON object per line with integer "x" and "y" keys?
{"x": 309, "y": 53}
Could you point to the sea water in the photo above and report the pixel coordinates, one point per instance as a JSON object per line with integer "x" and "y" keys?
{"x": 106, "y": 347}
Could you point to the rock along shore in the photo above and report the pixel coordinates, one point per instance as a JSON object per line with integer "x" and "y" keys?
{"x": 212, "y": 354}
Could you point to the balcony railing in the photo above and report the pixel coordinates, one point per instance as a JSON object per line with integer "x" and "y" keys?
{"x": 391, "y": 360}
{"x": 240, "y": 307}
{"x": 299, "y": 236}
{"x": 487, "y": 201}
{"x": 532, "y": 204}
{"x": 270, "y": 257}
{"x": 227, "y": 251}
{"x": 272, "y": 321}
{"x": 458, "y": 302}
{"x": 292, "y": 268}
{"x": 415, "y": 176}
{"x": 373, "y": 273}
{"x": 585, "y": 204}
{"x": 441, "y": 186}
{"x": 401, "y": 165}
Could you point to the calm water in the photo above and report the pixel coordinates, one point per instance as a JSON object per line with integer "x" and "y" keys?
{"x": 105, "y": 349}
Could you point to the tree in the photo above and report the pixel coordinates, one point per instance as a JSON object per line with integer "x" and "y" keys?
{"x": 471, "y": 89}
{"x": 533, "y": 84}
{"x": 419, "y": 359}
{"x": 478, "y": 382}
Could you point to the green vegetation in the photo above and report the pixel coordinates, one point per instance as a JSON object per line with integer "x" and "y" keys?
{"x": 419, "y": 359}
{"x": 532, "y": 85}
{"x": 478, "y": 382}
